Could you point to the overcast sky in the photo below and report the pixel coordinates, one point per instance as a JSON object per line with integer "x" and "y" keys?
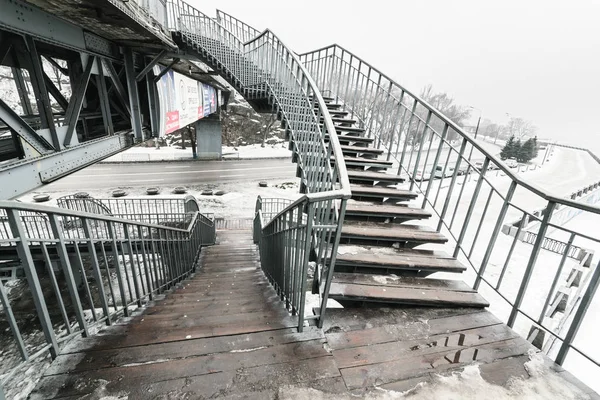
{"x": 539, "y": 60}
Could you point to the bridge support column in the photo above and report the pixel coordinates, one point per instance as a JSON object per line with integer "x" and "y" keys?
{"x": 208, "y": 138}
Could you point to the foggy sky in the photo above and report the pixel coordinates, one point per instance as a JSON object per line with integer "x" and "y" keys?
{"x": 539, "y": 60}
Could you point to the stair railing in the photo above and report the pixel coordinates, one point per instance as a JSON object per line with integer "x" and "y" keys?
{"x": 462, "y": 182}
{"x": 240, "y": 29}
{"x": 83, "y": 270}
{"x": 265, "y": 67}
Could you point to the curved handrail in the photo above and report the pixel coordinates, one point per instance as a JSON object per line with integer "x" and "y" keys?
{"x": 541, "y": 192}
{"x": 240, "y": 29}
{"x": 344, "y": 191}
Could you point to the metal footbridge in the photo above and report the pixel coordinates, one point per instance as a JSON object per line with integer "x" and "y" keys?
{"x": 373, "y": 277}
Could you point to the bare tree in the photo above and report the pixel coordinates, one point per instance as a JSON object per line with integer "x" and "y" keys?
{"x": 519, "y": 128}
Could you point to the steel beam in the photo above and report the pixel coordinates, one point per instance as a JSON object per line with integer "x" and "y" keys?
{"x": 117, "y": 85}
{"x": 40, "y": 91}
{"x": 152, "y": 95}
{"x": 58, "y": 96}
{"x": 18, "y": 125}
{"x": 150, "y": 65}
{"x": 26, "y": 175}
{"x": 104, "y": 103}
{"x": 134, "y": 98}
{"x": 77, "y": 98}
{"x": 167, "y": 69}
{"x": 23, "y": 91}
{"x": 5, "y": 47}
{"x": 24, "y": 18}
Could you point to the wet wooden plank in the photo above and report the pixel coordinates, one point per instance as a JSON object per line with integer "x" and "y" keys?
{"x": 406, "y": 368}
{"x": 406, "y": 295}
{"x": 395, "y": 211}
{"x": 393, "y": 232}
{"x": 412, "y": 261}
{"x": 410, "y": 329}
{"x": 341, "y": 320}
{"x": 375, "y": 191}
{"x": 402, "y": 282}
{"x": 390, "y": 351}
{"x": 143, "y": 361}
{"x": 246, "y": 374}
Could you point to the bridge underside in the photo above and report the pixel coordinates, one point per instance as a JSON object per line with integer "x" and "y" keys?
{"x": 223, "y": 334}
{"x": 79, "y": 87}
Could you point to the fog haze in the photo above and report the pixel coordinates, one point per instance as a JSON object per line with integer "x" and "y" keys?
{"x": 538, "y": 60}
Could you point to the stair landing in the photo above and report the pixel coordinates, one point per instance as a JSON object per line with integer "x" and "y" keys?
{"x": 224, "y": 334}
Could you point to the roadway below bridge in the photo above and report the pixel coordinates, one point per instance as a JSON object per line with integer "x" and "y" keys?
{"x": 185, "y": 173}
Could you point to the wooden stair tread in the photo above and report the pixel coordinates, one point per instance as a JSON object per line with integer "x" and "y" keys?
{"x": 363, "y": 208}
{"x": 393, "y": 232}
{"x": 358, "y": 149}
{"x": 374, "y": 176}
{"x": 351, "y": 138}
{"x": 402, "y": 281}
{"x": 423, "y": 296}
{"x": 408, "y": 259}
{"x": 360, "y": 160}
{"x": 382, "y": 191}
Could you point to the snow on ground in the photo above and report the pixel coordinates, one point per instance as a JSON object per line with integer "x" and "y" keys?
{"x": 467, "y": 384}
{"x": 142, "y": 153}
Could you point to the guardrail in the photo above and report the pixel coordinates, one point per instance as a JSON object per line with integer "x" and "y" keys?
{"x": 240, "y": 29}
{"x": 265, "y": 67}
{"x": 516, "y": 277}
{"x": 83, "y": 270}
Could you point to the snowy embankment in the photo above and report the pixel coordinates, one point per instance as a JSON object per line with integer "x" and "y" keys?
{"x": 176, "y": 153}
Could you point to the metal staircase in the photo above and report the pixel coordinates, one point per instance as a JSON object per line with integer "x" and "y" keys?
{"x": 374, "y": 217}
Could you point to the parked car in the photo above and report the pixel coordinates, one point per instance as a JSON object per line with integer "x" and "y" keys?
{"x": 440, "y": 173}
{"x": 511, "y": 163}
{"x": 422, "y": 176}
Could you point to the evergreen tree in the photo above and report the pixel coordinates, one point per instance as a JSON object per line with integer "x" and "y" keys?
{"x": 508, "y": 150}
{"x": 535, "y": 147}
{"x": 526, "y": 151}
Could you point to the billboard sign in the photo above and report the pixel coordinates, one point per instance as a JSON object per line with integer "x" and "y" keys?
{"x": 183, "y": 101}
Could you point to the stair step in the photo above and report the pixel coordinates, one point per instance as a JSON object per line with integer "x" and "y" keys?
{"x": 382, "y": 193}
{"x": 344, "y": 121}
{"x": 360, "y": 150}
{"x": 372, "y": 176}
{"x": 351, "y": 139}
{"x": 407, "y": 235}
{"x": 365, "y": 209}
{"x": 401, "y": 260}
{"x": 427, "y": 292}
{"x": 367, "y": 163}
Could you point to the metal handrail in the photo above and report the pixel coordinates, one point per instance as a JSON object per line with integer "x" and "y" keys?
{"x": 409, "y": 118}
{"x": 239, "y": 28}
{"x": 264, "y": 67}
{"x": 145, "y": 258}
{"x": 541, "y": 192}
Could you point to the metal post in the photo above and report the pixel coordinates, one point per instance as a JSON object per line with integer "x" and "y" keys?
{"x": 531, "y": 264}
{"x": 579, "y": 316}
{"x": 134, "y": 97}
{"x": 16, "y": 226}
{"x": 495, "y": 232}
{"x": 103, "y": 97}
{"x": 40, "y": 91}
{"x": 465, "y": 226}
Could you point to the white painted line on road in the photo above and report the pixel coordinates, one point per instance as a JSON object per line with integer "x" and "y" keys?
{"x": 177, "y": 166}
{"x": 147, "y": 180}
{"x": 184, "y": 172}
{"x": 231, "y": 176}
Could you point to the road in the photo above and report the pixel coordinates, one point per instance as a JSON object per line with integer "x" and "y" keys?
{"x": 102, "y": 176}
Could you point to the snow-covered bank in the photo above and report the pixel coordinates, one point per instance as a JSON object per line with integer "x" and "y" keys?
{"x": 176, "y": 153}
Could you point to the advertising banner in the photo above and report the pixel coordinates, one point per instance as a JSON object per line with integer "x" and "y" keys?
{"x": 183, "y": 101}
